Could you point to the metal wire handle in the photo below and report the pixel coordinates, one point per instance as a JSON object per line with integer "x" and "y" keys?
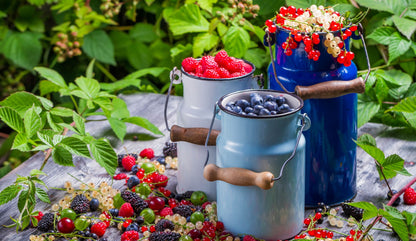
{"x": 174, "y": 72}
{"x": 216, "y": 110}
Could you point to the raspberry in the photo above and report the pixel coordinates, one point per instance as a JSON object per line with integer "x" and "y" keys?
{"x": 120, "y": 176}
{"x": 164, "y": 224}
{"x": 221, "y": 58}
{"x": 223, "y": 72}
{"x": 80, "y": 204}
{"x": 130, "y": 236}
{"x": 208, "y": 62}
{"x": 248, "y": 238}
{"x": 128, "y": 162}
{"x": 199, "y": 71}
{"x": 126, "y": 210}
{"x": 166, "y": 211}
{"x": 247, "y": 67}
{"x": 236, "y": 74}
{"x": 99, "y": 228}
{"x": 409, "y": 196}
{"x": 211, "y": 73}
{"x": 234, "y": 65}
{"x": 189, "y": 64}
{"x": 148, "y": 153}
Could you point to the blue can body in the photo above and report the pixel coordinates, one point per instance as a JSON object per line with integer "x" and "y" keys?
{"x": 330, "y": 149}
{"x": 262, "y": 144}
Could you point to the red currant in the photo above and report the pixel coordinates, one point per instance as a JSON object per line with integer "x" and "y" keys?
{"x": 152, "y": 228}
{"x": 311, "y": 232}
{"x": 269, "y": 23}
{"x": 308, "y": 48}
{"x": 293, "y": 45}
{"x": 344, "y": 36}
{"x": 341, "y": 45}
{"x": 143, "y": 229}
{"x": 349, "y": 238}
{"x": 348, "y": 32}
{"x": 300, "y": 11}
{"x": 316, "y": 40}
{"x": 329, "y": 234}
{"x": 284, "y": 45}
{"x": 291, "y": 10}
{"x": 353, "y": 28}
{"x": 288, "y": 52}
{"x": 272, "y": 28}
{"x": 173, "y": 203}
{"x": 317, "y": 215}
{"x": 310, "y": 55}
{"x": 350, "y": 55}
{"x": 347, "y": 62}
{"x": 298, "y": 37}
{"x": 283, "y": 10}
{"x": 341, "y": 59}
{"x": 307, "y": 41}
{"x": 315, "y": 57}
{"x": 307, "y": 221}
{"x": 315, "y": 36}
{"x": 352, "y": 232}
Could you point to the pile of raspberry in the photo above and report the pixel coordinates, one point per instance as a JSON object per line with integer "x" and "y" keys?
{"x": 221, "y": 66}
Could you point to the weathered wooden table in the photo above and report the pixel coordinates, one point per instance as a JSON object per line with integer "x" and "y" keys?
{"x": 150, "y": 106}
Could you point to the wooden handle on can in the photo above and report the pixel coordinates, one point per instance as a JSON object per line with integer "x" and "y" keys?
{"x": 193, "y": 135}
{"x": 238, "y": 176}
{"x": 330, "y": 89}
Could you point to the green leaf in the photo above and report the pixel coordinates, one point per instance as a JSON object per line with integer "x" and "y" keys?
{"x": 391, "y": 6}
{"x": 373, "y": 151}
{"x": 399, "y": 225}
{"x": 121, "y": 84}
{"x": 32, "y": 122}
{"x": 398, "y": 46}
{"x": 401, "y": 79}
{"x": 9, "y": 193}
{"x": 104, "y": 103}
{"x": 90, "y": 70}
{"x": 62, "y": 156}
{"x": 204, "y": 4}
{"x": 143, "y": 32}
{"x": 406, "y": 26}
{"x": 105, "y": 155}
{"x": 52, "y": 76}
{"x": 382, "y": 89}
{"x": 118, "y": 201}
{"x": 23, "y": 199}
{"x": 47, "y": 104}
{"x": 12, "y": 119}
{"x": 406, "y": 105}
{"x": 257, "y": 56}
{"x": 42, "y": 195}
{"x": 367, "y": 139}
{"x": 382, "y": 35}
{"x": 76, "y": 146}
{"x": 21, "y": 102}
{"x": 179, "y": 52}
{"x": 366, "y": 110}
{"x": 52, "y": 122}
{"x": 187, "y": 19}
{"x": 236, "y": 41}
{"x": 36, "y": 172}
{"x": 370, "y": 211}
{"x": 79, "y": 123}
{"x": 120, "y": 109}
{"x": 57, "y": 139}
{"x": 46, "y": 139}
{"x": 81, "y": 94}
{"x": 146, "y": 124}
{"x": 62, "y": 111}
{"x": 204, "y": 42}
{"x": 410, "y": 118}
{"x": 47, "y": 87}
{"x": 98, "y": 45}
{"x": 122, "y": 43}
{"x": 119, "y": 127}
{"x": 91, "y": 87}
{"x": 21, "y": 143}
{"x": 304, "y": 3}
{"x": 28, "y": 17}
{"x": 395, "y": 164}
{"x": 154, "y": 71}
{"x": 24, "y": 49}
{"x": 139, "y": 55}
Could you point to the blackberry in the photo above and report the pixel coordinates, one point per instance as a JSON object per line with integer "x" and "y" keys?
{"x": 170, "y": 149}
{"x": 164, "y": 224}
{"x": 47, "y": 222}
{"x": 185, "y": 195}
{"x": 80, "y": 204}
{"x": 354, "y": 212}
{"x": 183, "y": 210}
{"x": 121, "y": 156}
{"x": 136, "y": 202}
{"x": 164, "y": 236}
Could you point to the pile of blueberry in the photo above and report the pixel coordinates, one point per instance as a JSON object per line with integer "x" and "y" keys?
{"x": 259, "y": 105}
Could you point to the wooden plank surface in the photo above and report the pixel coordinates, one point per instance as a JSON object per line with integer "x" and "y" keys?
{"x": 150, "y": 106}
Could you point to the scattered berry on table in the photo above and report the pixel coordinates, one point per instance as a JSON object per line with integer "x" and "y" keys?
{"x": 80, "y": 204}
{"x": 128, "y": 162}
{"x": 183, "y": 210}
{"x": 170, "y": 149}
{"x": 65, "y": 225}
{"x": 94, "y": 204}
{"x": 354, "y": 212}
{"x": 147, "y": 153}
{"x": 121, "y": 156}
{"x": 133, "y": 181}
{"x": 126, "y": 210}
{"x": 136, "y": 202}
{"x": 409, "y": 196}
{"x": 47, "y": 222}
{"x": 390, "y": 195}
{"x": 164, "y": 224}
{"x": 120, "y": 176}
{"x": 99, "y": 228}
{"x": 130, "y": 236}
{"x": 164, "y": 236}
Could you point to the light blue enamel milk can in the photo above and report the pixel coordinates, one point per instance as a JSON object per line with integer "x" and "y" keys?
{"x": 251, "y": 152}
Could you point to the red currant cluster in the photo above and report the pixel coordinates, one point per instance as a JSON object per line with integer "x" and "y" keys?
{"x": 354, "y": 235}
{"x": 304, "y": 26}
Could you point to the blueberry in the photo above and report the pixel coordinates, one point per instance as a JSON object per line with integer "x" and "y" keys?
{"x": 397, "y": 201}
{"x": 94, "y": 236}
{"x": 230, "y": 104}
{"x": 248, "y": 109}
{"x": 87, "y": 234}
{"x": 270, "y": 105}
{"x": 237, "y": 109}
{"x": 94, "y": 204}
{"x": 284, "y": 108}
{"x": 242, "y": 103}
{"x": 135, "y": 169}
{"x": 251, "y": 114}
{"x": 257, "y": 109}
{"x": 229, "y": 108}
{"x": 188, "y": 219}
{"x": 161, "y": 160}
{"x": 264, "y": 111}
{"x": 113, "y": 212}
{"x": 269, "y": 98}
{"x": 243, "y": 113}
{"x": 256, "y": 99}
{"x": 140, "y": 220}
{"x": 280, "y": 100}
{"x": 132, "y": 226}
{"x": 133, "y": 181}
{"x": 273, "y": 112}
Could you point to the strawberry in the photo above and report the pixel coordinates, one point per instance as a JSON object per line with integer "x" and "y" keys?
{"x": 128, "y": 162}
{"x": 126, "y": 210}
{"x": 409, "y": 196}
{"x": 120, "y": 176}
{"x": 208, "y": 62}
{"x": 99, "y": 228}
{"x": 148, "y": 153}
{"x": 211, "y": 73}
{"x": 223, "y": 72}
{"x": 221, "y": 58}
{"x": 189, "y": 64}
{"x": 166, "y": 211}
{"x": 130, "y": 236}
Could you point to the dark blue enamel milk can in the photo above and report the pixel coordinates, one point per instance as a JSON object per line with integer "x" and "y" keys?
{"x": 330, "y": 148}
